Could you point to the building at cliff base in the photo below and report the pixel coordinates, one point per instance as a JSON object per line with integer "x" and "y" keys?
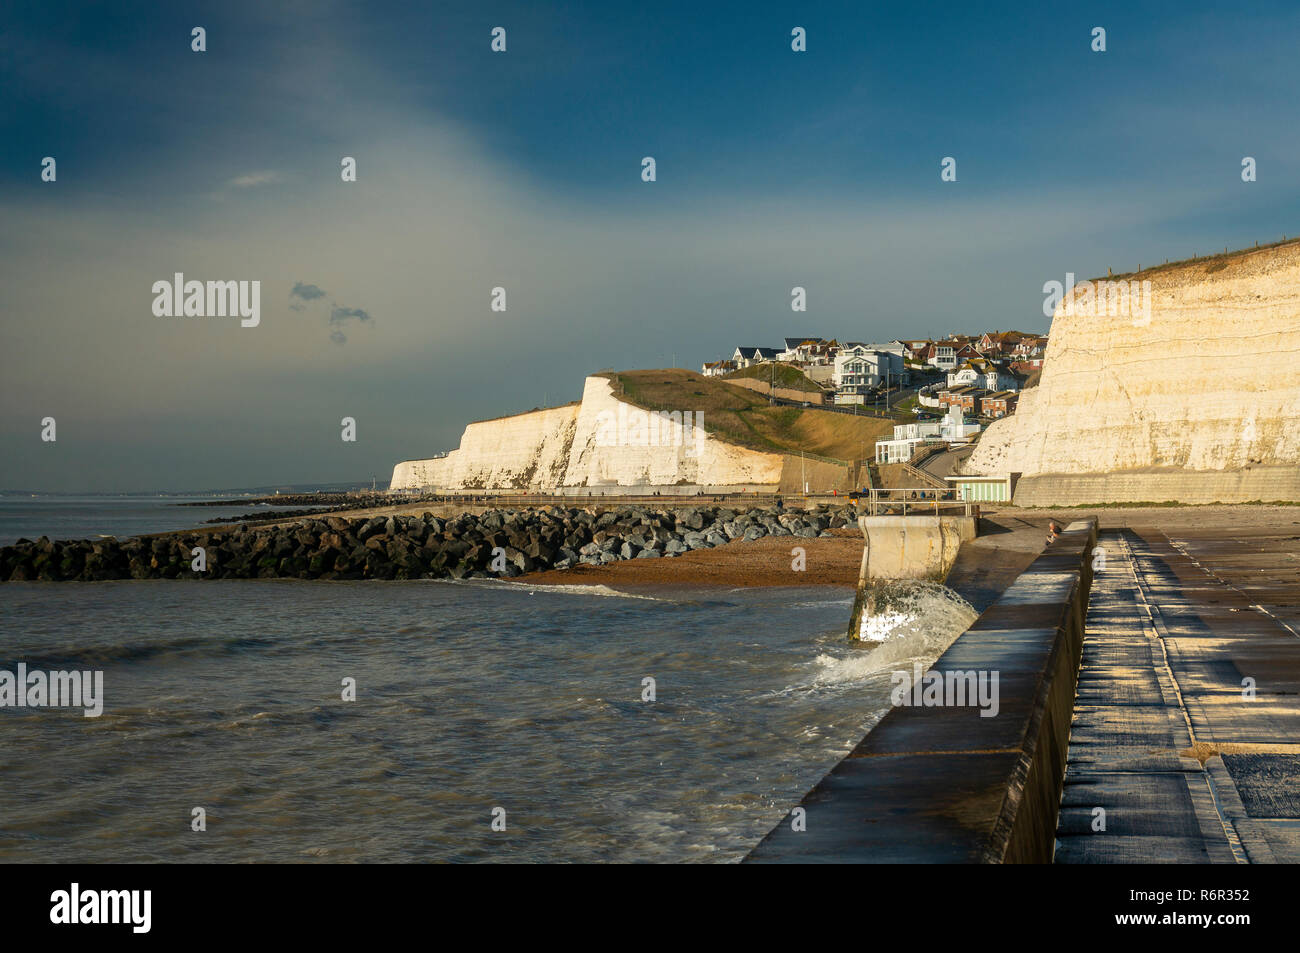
{"x": 603, "y": 445}
{"x": 1182, "y": 390}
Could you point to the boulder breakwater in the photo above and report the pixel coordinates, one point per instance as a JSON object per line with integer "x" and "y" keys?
{"x": 494, "y": 544}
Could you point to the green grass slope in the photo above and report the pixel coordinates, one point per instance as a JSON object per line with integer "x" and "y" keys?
{"x": 786, "y": 376}
{"x": 743, "y": 417}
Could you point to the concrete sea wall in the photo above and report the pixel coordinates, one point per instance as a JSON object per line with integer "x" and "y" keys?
{"x": 944, "y": 783}
{"x": 1263, "y": 484}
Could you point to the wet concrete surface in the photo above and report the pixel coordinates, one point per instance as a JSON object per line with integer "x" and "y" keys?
{"x": 1003, "y": 549}
{"x": 954, "y": 781}
{"x": 1186, "y": 728}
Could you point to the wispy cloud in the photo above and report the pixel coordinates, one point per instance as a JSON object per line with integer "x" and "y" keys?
{"x": 307, "y": 292}
{"x": 340, "y": 316}
{"x": 253, "y": 179}
{"x": 461, "y": 191}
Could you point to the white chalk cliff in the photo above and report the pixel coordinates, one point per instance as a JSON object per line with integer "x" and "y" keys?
{"x": 586, "y": 445}
{"x": 1205, "y": 382}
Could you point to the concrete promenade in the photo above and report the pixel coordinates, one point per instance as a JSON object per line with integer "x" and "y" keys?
{"x": 943, "y": 780}
{"x": 1180, "y": 742}
{"x": 1166, "y": 739}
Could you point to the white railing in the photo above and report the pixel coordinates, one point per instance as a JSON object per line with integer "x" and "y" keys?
{"x": 904, "y": 501}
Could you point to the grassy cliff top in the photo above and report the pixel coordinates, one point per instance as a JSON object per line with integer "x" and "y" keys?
{"x": 786, "y": 376}
{"x": 535, "y": 410}
{"x": 1214, "y": 261}
{"x": 743, "y": 417}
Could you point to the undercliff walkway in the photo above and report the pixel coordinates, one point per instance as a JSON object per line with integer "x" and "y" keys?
{"x": 1185, "y": 738}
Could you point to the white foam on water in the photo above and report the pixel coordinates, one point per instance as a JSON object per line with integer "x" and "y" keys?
{"x": 585, "y": 590}
{"x": 573, "y": 589}
{"x": 821, "y": 603}
{"x": 879, "y": 628}
{"x": 921, "y": 620}
{"x": 917, "y": 611}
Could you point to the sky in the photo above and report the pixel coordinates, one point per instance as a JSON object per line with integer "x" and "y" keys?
{"x": 522, "y": 169}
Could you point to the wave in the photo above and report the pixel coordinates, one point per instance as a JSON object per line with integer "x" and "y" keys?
{"x": 573, "y": 589}
{"x": 847, "y": 602}
{"x": 917, "y": 621}
{"x": 100, "y": 656}
{"x": 914, "y": 612}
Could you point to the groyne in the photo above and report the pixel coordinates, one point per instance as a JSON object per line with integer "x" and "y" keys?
{"x": 497, "y": 543}
{"x": 944, "y": 780}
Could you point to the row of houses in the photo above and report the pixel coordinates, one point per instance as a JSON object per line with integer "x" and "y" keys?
{"x": 997, "y": 361}
{"x": 851, "y": 370}
{"x": 979, "y": 402}
{"x": 800, "y": 351}
{"x": 956, "y": 349}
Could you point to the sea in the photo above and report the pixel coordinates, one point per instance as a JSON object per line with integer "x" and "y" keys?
{"x": 428, "y": 721}
{"x": 31, "y": 516}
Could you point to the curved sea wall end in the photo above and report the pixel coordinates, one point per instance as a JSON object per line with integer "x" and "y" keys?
{"x": 913, "y": 547}
{"x": 906, "y": 547}
{"x": 968, "y": 765}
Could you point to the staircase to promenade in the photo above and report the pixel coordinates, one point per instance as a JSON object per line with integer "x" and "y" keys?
{"x": 915, "y": 467}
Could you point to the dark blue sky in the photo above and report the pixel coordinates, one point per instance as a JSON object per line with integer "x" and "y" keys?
{"x": 521, "y": 169}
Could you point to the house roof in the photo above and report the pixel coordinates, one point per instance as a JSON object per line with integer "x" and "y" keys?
{"x": 792, "y": 343}
{"x": 861, "y": 346}
{"x": 1005, "y": 337}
